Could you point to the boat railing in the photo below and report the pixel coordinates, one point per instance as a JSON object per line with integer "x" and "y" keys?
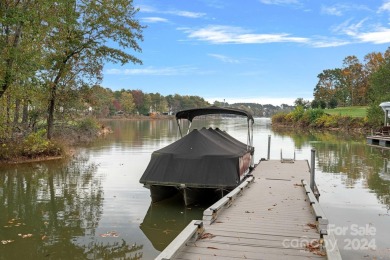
{"x": 211, "y": 213}
{"x": 322, "y": 224}
{"x": 191, "y": 233}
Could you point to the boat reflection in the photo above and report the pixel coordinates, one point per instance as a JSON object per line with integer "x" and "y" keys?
{"x": 164, "y": 220}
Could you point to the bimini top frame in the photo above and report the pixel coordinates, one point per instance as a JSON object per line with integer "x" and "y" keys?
{"x": 190, "y": 114}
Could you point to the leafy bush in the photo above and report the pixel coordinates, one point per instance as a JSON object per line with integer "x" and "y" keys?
{"x": 375, "y": 115}
{"x": 298, "y": 112}
{"x": 7, "y": 151}
{"x": 36, "y": 144}
{"x": 279, "y": 118}
{"x": 325, "y": 120}
{"x": 319, "y": 119}
{"x": 88, "y": 125}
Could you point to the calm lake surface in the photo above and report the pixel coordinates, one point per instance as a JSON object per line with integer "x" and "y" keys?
{"x": 93, "y": 206}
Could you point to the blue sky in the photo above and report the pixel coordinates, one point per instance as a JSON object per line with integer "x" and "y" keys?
{"x": 262, "y": 51}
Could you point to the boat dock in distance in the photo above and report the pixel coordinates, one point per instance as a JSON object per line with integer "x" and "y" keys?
{"x": 379, "y": 140}
{"x": 273, "y": 214}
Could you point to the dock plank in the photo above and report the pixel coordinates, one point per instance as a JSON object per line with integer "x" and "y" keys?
{"x": 272, "y": 219}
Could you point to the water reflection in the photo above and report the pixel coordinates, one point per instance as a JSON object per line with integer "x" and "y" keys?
{"x": 93, "y": 206}
{"x": 166, "y": 219}
{"x": 380, "y": 184}
{"x": 346, "y": 154}
{"x": 52, "y": 209}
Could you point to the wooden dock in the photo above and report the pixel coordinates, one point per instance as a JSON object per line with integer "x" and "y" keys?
{"x": 272, "y": 215}
{"x": 382, "y": 141}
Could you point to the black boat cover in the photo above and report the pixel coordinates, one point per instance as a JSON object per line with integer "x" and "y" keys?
{"x": 189, "y": 114}
{"x": 203, "y": 158}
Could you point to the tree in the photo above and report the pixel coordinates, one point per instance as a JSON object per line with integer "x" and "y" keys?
{"x": 127, "y": 102}
{"x": 374, "y": 61}
{"x": 147, "y": 103}
{"x": 101, "y": 99}
{"x": 77, "y": 45}
{"x": 158, "y": 102}
{"x": 22, "y": 30}
{"x": 355, "y": 81}
{"x": 300, "y": 102}
{"x": 332, "y": 103}
{"x": 17, "y": 19}
{"x": 379, "y": 92}
{"x": 328, "y": 86}
{"x": 138, "y": 97}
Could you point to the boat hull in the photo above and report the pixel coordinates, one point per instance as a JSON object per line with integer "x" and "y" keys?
{"x": 161, "y": 192}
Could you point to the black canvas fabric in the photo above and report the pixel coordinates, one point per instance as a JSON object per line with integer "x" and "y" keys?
{"x": 203, "y": 158}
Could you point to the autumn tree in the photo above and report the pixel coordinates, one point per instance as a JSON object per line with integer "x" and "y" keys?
{"x": 138, "y": 97}
{"x": 356, "y": 81}
{"x": 100, "y": 99}
{"x": 158, "y": 102}
{"x": 329, "y": 87}
{"x": 22, "y": 29}
{"x": 373, "y": 61}
{"x": 127, "y": 102}
{"x": 78, "y": 44}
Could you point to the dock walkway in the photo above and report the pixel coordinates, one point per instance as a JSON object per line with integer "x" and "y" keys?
{"x": 273, "y": 215}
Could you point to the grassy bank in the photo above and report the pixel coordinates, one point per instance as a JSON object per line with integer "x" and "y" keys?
{"x": 348, "y": 111}
{"x": 349, "y": 119}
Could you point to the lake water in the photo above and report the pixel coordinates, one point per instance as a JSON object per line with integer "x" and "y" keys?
{"x": 93, "y": 206}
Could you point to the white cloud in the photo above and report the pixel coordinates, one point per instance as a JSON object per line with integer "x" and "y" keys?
{"x": 223, "y": 58}
{"x": 332, "y": 10}
{"x": 382, "y": 35}
{"x": 218, "y": 34}
{"x": 151, "y": 71}
{"x": 340, "y": 9}
{"x": 280, "y": 2}
{"x": 147, "y": 9}
{"x": 154, "y": 20}
{"x": 188, "y": 14}
{"x": 385, "y": 7}
{"x": 327, "y": 43}
{"x": 348, "y": 28}
{"x": 364, "y": 34}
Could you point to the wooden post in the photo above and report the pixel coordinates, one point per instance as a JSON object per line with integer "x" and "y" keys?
{"x": 312, "y": 169}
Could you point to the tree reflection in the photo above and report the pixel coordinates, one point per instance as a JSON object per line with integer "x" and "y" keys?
{"x": 346, "y": 154}
{"x": 138, "y": 133}
{"x": 52, "y": 209}
{"x": 165, "y": 220}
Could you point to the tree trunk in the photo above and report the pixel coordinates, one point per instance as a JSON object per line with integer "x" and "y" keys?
{"x": 53, "y": 95}
{"x": 8, "y": 110}
{"x": 50, "y": 111}
{"x": 10, "y": 60}
{"x": 25, "y": 112}
{"x": 16, "y": 112}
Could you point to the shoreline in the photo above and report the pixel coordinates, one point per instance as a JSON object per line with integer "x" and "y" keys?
{"x": 70, "y": 150}
{"x": 360, "y": 130}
